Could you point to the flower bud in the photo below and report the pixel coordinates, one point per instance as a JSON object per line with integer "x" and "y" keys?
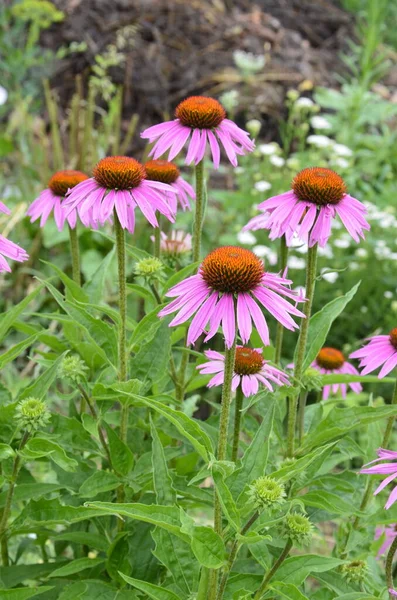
{"x": 253, "y": 127}
{"x": 73, "y": 368}
{"x": 355, "y": 571}
{"x": 150, "y": 268}
{"x": 298, "y": 529}
{"x": 312, "y": 380}
{"x": 32, "y": 414}
{"x": 266, "y": 492}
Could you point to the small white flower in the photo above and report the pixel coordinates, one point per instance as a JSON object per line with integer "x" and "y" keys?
{"x": 361, "y": 253}
{"x": 277, "y": 161}
{"x": 342, "y": 243}
{"x": 272, "y": 258}
{"x": 304, "y": 103}
{"x": 294, "y": 262}
{"x": 248, "y": 62}
{"x": 262, "y": 186}
{"x": 321, "y": 141}
{"x": 319, "y": 122}
{"x": 388, "y": 294}
{"x": 330, "y": 277}
{"x": 342, "y": 150}
{"x": 341, "y": 162}
{"x": 326, "y": 251}
{"x": 3, "y": 95}
{"x": 268, "y": 149}
{"x": 246, "y": 237}
{"x": 239, "y": 170}
{"x": 354, "y": 266}
{"x": 261, "y": 251}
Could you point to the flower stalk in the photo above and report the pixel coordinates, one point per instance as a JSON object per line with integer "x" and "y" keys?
{"x": 237, "y": 422}
{"x": 199, "y": 214}
{"x": 302, "y": 341}
{"x": 389, "y": 564}
{"x": 283, "y": 258}
{"x": 75, "y": 252}
{"x": 273, "y": 570}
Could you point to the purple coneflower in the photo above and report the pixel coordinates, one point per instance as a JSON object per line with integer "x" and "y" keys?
{"x": 389, "y": 532}
{"x": 204, "y": 119}
{"x": 250, "y": 369}
{"x": 8, "y": 249}
{"x": 230, "y": 283}
{"x": 389, "y": 469}
{"x": 168, "y": 172}
{"x": 175, "y": 244}
{"x": 316, "y": 197}
{"x": 380, "y": 350}
{"x": 330, "y": 361}
{"x": 119, "y": 183}
{"x": 52, "y": 200}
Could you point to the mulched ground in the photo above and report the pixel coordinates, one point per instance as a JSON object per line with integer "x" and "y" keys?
{"x": 182, "y": 47}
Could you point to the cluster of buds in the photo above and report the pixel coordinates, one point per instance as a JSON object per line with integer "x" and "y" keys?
{"x": 151, "y": 269}
{"x": 354, "y": 572}
{"x": 266, "y": 492}
{"x": 312, "y": 380}
{"x": 32, "y": 414}
{"x": 73, "y": 368}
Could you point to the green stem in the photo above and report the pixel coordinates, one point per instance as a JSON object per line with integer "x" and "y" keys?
{"x": 199, "y": 214}
{"x": 94, "y": 413}
{"x": 157, "y": 238}
{"x": 75, "y": 252}
{"x": 237, "y": 422}
{"x": 283, "y": 258}
{"x": 232, "y": 556}
{"x": 302, "y": 341}
{"x": 7, "y": 507}
{"x": 389, "y": 564}
{"x": 180, "y": 387}
{"x": 370, "y": 482}
{"x": 301, "y": 423}
{"x": 273, "y": 570}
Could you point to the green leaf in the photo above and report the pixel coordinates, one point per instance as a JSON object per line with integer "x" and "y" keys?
{"x": 188, "y": 427}
{"x": 118, "y": 557}
{"x": 208, "y": 547}
{"x": 226, "y": 500}
{"x": 121, "y": 455}
{"x": 38, "y": 447}
{"x": 330, "y": 502}
{"x": 99, "y": 482}
{"x": 165, "y": 493}
{"x": 151, "y": 361}
{"x": 141, "y": 291}
{"x": 288, "y": 590}
{"x": 146, "y": 328}
{"x": 85, "y": 538}
{"x": 16, "y": 350}
{"x": 166, "y": 517}
{"x": 302, "y": 464}
{"x": 23, "y": 593}
{"x": 30, "y": 491}
{"x": 6, "y": 451}
{"x": 96, "y": 285}
{"x": 8, "y": 318}
{"x": 320, "y": 324}
{"x": 77, "y": 565}
{"x": 153, "y": 591}
{"x": 254, "y": 461}
{"x": 48, "y": 512}
{"x": 338, "y": 378}
{"x": 71, "y": 286}
{"x": 178, "y": 558}
{"x": 39, "y": 387}
{"x": 296, "y": 568}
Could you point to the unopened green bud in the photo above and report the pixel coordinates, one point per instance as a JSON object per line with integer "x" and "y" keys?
{"x": 298, "y": 529}
{"x": 293, "y": 95}
{"x": 312, "y": 380}
{"x": 32, "y": 414}
{"x": 253, "y": 127}
{"x": 266, "y": 492}
{"x": 73, "y": 368}
{"x": 355, "y": 571}
{"x": 150, "y": 268}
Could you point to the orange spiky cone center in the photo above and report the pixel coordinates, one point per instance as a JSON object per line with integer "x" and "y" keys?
{"x": 62, "y": 181}
{"x": 231, "y": 269}
{"x": 330, "y": 358}
{"x": 200, "y": 112}
{"x": 161, "y": 170}
{"x": 248, "y": 361}
{"x": 393, "y": 337}
{"x": 319, "y": 185}
{"x": 119, "y": 173}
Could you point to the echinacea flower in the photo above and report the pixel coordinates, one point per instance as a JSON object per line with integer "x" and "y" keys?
{"x": 203, "y": 122}
{"x": 52, "y": 200}
{"x": 307, "y": 210}
{"x": 176, "y": 244}
{"x": 9, "y": 249}
{"x": 250, "y": 369}
{"x": 389, "y": 532}
{"x": 168, "y": 172}
{"x": 332, "y": 361}
{"x": 119, "y": 184}
{"x": 392, "y": 592}
{"x": 380, "y": 350}
{"x": 230, "y": 283}
{"x": 389, "y": 469}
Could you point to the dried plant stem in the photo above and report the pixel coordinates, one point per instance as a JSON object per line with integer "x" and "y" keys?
{"x": 301, "y": 347}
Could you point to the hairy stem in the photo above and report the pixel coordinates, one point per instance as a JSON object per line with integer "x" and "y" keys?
{"x": 301, "y": 423}
{"x": 75, "y": 252}
{"x": 283, "y": 257}
{"x": 94, "y": 413}
{"x": 199, "y": 214}
{"x": 389, "y": 564}
{"x": 237, "y": 422}
{"x": 275, "y": 567}
{"x": 157, "y": 238}
{"x": 302, "y": 341}
{"x": 7, "y": 507}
